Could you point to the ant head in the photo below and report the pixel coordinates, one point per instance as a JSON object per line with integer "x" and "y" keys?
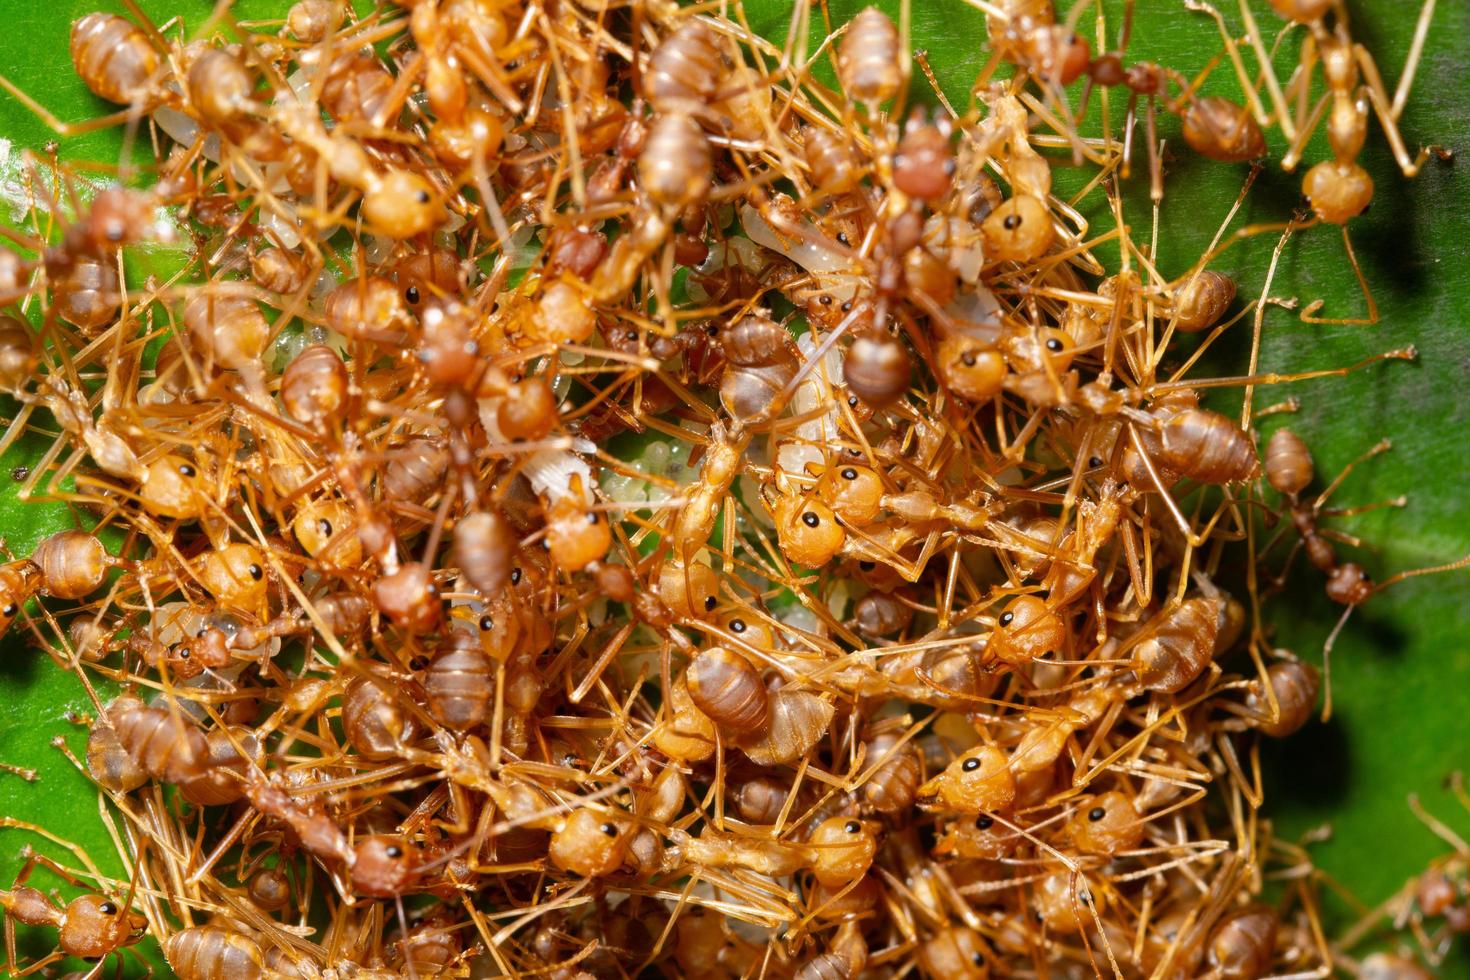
{"x": 1338, "y": 191}
{"x": 384, "y": 866}
{"x": 95, "y": 925}
{"x": 1020, "y": 230}
{"x": 402, "y": 205}
{"x": 924, "y": 164}
{"x": 1349, "y": 584}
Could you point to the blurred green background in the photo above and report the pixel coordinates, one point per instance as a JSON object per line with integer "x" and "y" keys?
{"x": 1402, "y": 666}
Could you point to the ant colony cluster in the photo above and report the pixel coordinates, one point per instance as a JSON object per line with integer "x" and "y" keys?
{"x": 610, "y": 495}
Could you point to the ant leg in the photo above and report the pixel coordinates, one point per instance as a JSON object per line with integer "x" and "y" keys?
{"x": 1411, "y": 63}
{"x": 1190, "y": 87}
{"x": 1439, "y": 829}
{"x": 1316, "y": 304}
{"x": 1127, "y": 32}
{"x": 1378, "y": 448}
{"x": 1129, "y": 118}
{"x": 1275, "y": 377}
{"x": 1059, "y": 118}
{"x": 1341, "y": 537}
{"x": 1134, "y": 557}
{"x": 1249, "y": 788}
{"x": 398, "y": 95}
{"x": 10, "y": 961}
{"x": 66, "y": 128}
{"x": 1456, "y": 783}
{"x": 1327, "y": 664}
{"x": 1155, "y": 157}
{"x": 154, "y": 32}
{"x": 1386, "y": 119}
{"x": 1193, "y": 539}
{"x": 1279, "y": 582}
{"x": 1428, "y": 570}
{"x": 1265, "y": 62}
{"x": 1290, "y": 405}
{"x": 1232, "y": 50}
{"x": 40, "y": 964}
{"x": 1399, "y": 501}
{"x": 1294, "y": 152}
{"x": 75, "y": 851}
{"x": 922, "y": 57}
{"x": 34, "y": 860}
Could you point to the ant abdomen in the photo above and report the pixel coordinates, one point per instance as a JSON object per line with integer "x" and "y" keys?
{"x": 868, "y": 58}
{"x": 728, "y": 689}
{"x": 113, "y": 57}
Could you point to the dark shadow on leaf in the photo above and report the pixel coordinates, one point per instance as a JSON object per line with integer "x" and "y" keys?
{"x": 1311, "y": 768}
{"x": 19, "y": 660}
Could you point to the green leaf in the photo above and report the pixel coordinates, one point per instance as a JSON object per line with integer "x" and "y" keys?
{"x": 1402, "y": 663}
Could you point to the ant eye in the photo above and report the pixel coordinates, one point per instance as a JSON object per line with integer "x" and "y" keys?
{"x": 394, "y": 851}
{"x": 324, "y": 527}
{"x": 842, "y": 235}
{"x": 847, "y": 307}
{"x": 256, "y": 572}
{"x": 107, "y": 908}
{"x": 184, "y": 653}
{"x": 852, "y": 401}
{"x": 968, "y": 357}
{"x": 737, "y": 626}
{"x": 1006, "y": 618}
{"x": 709, "y": 603}
{"x": 810, "y": 519}
{"x": 852, "y": 826}
{"x": 411, "y": 294}
{"x": 984, "y": 822}
{"x": 1053, "y": 345}
{"x": 867, "y": 566}
{"x": 1095, "y": 461}
{"x": 970, "y": 765}
{"x": 1096, "y": 814}
{"x": 825, "y": 300}
{"x": 631, "y": 336}
{"x": 977, "y": 958}
{"x": 486, "y": 624}
{"x": 10, "y": 609}
{"x": 591, "y": 518}
{"x": 610, "y": 829}
{"x": 849, "y": 473}
{"x": 1012, "y": 222}
{"x": 422, "y": 197}
{"x": 515, "y": 576}
{"x": 186, "y": 470}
